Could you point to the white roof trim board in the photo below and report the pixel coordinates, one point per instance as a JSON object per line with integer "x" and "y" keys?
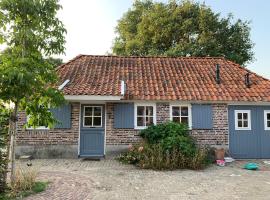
{"x": 92, "y": 97}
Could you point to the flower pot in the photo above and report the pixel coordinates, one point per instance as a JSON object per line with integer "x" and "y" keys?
{"x": 220, "y": 154}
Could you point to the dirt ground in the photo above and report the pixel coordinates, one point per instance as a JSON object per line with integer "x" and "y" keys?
{"x": 108, "y": 179}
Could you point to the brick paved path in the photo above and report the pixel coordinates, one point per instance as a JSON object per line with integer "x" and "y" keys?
{"x": 65, "y": 185}
{"x": 108, "y": 179}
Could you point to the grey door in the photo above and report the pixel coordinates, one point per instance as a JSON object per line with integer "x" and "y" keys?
{"x": 253, "y": 143}
{"x": 92, "y": 131}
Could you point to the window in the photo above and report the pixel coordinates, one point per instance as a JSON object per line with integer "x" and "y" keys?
{"x": 92, "y": 116}
{"x": 40, "y": 126}
{"x": 267, "y": 119}
{"x": 242, "y": 120}
{"x": 144, "y": 115}
{"x": 181, "y": 114}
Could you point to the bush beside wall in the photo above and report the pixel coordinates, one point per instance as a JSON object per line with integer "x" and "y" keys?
{"x": 166, "y": 146}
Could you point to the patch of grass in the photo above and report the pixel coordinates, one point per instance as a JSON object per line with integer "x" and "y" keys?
{"x": 37, "y": 188}
{"x": 40, "y": 187}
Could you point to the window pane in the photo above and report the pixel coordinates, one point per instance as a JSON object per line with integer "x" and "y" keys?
{"x": 97, "y": 111}
{"x": 268, "y": 124}
{"x": 184, "y": 111}
{"x": 184, "y": 120}
{"x": 268, "y": 116}
{"x": 88, "y": 111}
{"x": 149, "y": 110}
{"x": 245, "y": 115}
{"x": 245, "y": 124}
{"x": 149, "y": 121}
{"x": 88, "y": 121}
{"x": 240, "y": 124}
{"x": 239, "y": 116}
{"x": 140, "y": 110}
{"x": 175, "y": 111}
{"x": 140, "y": 121}
{"x": 97, "y": 121}
{"x": 176, "y": 119}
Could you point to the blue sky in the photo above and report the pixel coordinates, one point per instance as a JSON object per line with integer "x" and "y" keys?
{"x": 90, "y": 25}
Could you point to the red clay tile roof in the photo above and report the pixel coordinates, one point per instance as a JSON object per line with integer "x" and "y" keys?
{"x": 162, "y": 78}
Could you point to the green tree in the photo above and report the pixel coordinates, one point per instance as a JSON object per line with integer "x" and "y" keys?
{"x": 32, "y": 32}
{"x": 4, "y": 120}
{"x": 55, "y": 62}
{"x": 183, "y": 28}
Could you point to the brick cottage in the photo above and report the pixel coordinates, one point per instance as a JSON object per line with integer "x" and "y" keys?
{"x": 111, "y": 98}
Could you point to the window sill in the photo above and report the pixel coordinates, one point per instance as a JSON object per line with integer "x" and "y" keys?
{"x": 37, "y": 129}
{"x": 140, "y": 127}
{"x": 243, "y": 129}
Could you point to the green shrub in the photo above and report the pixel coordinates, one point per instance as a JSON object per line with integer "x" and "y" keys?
{"x": 154, "y": 156}
{"x": 133, "y": 156}
{"x": 199, "y": 160}
{"x": 166, "y": 146}
{"x": 155, "y": 133}
{"x": 171, "y": 136}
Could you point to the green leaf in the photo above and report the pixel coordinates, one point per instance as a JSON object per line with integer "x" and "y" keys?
{"x": 32, "y": 33}
{"x": 182, "y": 28}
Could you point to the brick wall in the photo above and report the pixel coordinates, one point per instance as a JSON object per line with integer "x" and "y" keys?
{"x": 219, "y": 134}
{"x": 216, "y": 136}
{"x": 163, "y": 112}
{"x": 118, "y": 136}
{"x": 49, "y": 137}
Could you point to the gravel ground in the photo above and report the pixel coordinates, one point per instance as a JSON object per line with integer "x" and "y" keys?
{"x": 108, "y": 179}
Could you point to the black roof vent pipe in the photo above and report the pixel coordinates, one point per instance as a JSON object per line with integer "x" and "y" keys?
{"x": 217, "y": 73}
{"x": 247, "y": 80}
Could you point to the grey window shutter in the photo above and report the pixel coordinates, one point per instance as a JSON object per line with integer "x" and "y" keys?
{"x": 63, "y": 116}
{"x": 124, "y": 115}
{"x": 202, "y": 116}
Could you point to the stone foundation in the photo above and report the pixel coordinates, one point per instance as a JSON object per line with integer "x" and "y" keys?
{"x": 48, "y": 151}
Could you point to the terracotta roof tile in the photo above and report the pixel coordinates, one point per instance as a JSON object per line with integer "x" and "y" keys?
{"x": 162, "y": 78}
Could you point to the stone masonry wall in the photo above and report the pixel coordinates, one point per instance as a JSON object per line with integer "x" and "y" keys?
{"x": 220, "y": 132}
{"x": 50, "y": 137}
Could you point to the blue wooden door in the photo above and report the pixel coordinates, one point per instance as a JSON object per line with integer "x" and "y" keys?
{"x": 264, "y": 134}
{"x": 253, "y": 143}
{"x": 92, "y": 131}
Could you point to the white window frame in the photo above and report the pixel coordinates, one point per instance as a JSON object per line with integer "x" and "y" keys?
{"x": 189, "y": 113}
{"x": 236, "y": 112}
{"x": 101, "y": 125}
{"x": 36, "y": 128}
{"x": 135, "y": 114}
{"x": 265, "y": 120}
